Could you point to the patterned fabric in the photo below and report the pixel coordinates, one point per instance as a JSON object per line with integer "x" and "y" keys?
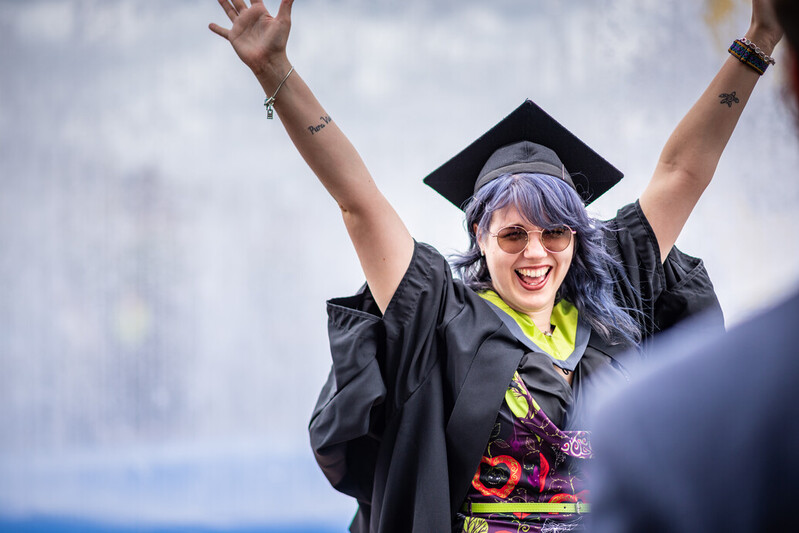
{"x": 528, "y": 459}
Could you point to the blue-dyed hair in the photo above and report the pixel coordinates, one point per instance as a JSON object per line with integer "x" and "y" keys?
{"x": 546, "y": 201}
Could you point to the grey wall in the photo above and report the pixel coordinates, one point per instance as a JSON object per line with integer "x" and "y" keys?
{"x": 165, "y": 254}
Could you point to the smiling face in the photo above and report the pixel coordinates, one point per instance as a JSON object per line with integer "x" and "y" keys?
{"x": 528, "y": 281}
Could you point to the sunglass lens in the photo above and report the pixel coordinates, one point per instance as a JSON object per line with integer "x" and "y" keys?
{"x": 512, "y": 239}
{"x": 556, "y": 239}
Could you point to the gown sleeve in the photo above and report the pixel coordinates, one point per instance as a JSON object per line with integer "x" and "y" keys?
{"x": 378, "y": 362}
{"x": 659, "y": 294}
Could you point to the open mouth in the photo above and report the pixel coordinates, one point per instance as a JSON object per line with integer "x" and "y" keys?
{"x": 533, "y": 278}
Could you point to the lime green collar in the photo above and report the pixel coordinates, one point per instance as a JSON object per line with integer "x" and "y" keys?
{"x": 560, "y": 345}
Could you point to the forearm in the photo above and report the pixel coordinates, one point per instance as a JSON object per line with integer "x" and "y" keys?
{"x": 694, "y": 149}
{"x": 383, "y": 244}
{"x": 320, "y": 142}
{"x": 690, "y": 157}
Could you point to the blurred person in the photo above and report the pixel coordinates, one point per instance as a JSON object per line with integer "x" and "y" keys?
{"x": 457, "y": 403}
{"x": 709, "y": 443}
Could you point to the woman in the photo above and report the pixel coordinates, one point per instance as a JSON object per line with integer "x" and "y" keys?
{"x": 457, "y": 404}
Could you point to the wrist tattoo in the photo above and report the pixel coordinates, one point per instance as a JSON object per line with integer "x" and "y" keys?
{"x": 729, "y": 99}
{"x": 315, "y": 128}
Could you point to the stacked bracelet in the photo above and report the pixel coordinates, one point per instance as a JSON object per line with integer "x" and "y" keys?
{"x": 752, "y": 46}
{"x": 751, "y": 55}
{"x": 269, "y": 102}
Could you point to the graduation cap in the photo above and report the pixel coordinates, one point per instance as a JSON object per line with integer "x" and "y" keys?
{"x": 527, "y": 140}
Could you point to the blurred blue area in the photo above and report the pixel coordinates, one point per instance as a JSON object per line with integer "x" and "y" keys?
{"x": 69, "y": 525}
{"x": 221, "y": 486}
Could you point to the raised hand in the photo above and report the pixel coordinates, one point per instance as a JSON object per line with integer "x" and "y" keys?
{"x": 258, "y": 38}
{"x": 379, "y": 236}
{"x": 689, "y": 159}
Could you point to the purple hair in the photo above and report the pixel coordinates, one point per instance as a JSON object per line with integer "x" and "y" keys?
{"x": 546, "y": 201}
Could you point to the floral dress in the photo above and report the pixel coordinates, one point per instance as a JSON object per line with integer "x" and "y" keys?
{"x": 528, "y": 459}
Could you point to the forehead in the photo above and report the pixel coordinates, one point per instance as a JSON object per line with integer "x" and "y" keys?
{"x": 510, "y": 216}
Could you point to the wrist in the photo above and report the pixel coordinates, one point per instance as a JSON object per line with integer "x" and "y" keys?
{"x": 765, "y": 38}
{"x": 271, "y": 72}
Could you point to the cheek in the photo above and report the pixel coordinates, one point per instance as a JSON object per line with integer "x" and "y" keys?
{"x": 496, "y": 262}
{"x": 566, "y": 263}
{"x": 564, "y": 259}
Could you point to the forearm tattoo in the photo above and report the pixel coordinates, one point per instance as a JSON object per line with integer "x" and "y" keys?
{"x": 316, "y": 128}
{"x": 729, "y": 99}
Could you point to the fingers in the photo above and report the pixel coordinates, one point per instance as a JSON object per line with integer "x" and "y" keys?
{"x": 239, "y": 5}
{"x": 234, "y": 7}
{"x": 219, "y": 30}
{"x": 229, "y": 11}
{"x": 284, "y": 12}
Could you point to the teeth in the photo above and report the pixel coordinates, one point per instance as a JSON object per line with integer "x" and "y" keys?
{"x": 533, "y": 272}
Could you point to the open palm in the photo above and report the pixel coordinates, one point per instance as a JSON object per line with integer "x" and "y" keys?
{"x": 256, "y": 36}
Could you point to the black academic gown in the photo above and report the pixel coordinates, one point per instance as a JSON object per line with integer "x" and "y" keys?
{"x": 412, "y": 397}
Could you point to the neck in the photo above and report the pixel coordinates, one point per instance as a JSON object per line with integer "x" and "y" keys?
{"x": 542, "y": 320}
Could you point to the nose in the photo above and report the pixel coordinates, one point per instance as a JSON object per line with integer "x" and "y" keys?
{"x": 534, "y": 247}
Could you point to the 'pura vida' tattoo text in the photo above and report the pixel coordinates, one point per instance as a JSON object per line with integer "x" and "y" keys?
{"x": 325, "y": 121}
{"x": 729, "y": 99}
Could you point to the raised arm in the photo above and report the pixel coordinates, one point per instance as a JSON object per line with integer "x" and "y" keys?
{"x": 382, "y": 242}
{"x": 689, "y": 159}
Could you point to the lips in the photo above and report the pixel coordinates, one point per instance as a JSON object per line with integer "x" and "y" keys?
{"x": 533, "y": 278}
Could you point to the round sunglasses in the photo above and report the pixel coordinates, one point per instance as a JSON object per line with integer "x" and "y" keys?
{"x": 514, "y": 239}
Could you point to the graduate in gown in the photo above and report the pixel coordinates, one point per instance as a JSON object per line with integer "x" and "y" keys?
{"x": 459, "y": 402}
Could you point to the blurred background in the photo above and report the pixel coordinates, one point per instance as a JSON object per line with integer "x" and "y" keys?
{"x": 165, "y": 254}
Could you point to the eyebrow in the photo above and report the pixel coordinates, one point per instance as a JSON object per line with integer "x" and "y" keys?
{"x": 523, "y": 225}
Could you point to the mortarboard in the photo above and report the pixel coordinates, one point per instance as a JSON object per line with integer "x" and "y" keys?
{"x": 527, "y": 140}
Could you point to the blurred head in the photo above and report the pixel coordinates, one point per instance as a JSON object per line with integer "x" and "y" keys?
{"x": 788, "y": 16}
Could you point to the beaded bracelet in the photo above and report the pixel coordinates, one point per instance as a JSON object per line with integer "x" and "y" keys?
{"x": 752, "y": 46}
{"x": 748, "y": 53}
